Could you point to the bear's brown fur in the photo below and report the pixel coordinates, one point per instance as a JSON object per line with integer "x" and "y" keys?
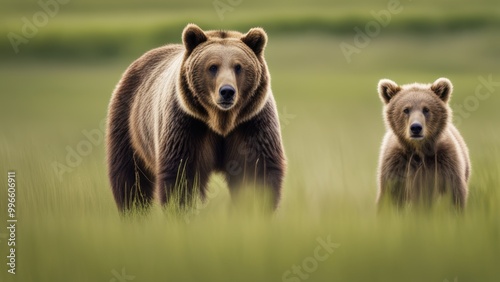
{"x": 423, "y": 155}
{"x": 185, "y": 111}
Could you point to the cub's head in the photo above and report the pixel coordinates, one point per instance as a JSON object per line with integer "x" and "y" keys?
{"x": 416, "y": 113}
{"x": 224, "y": 75}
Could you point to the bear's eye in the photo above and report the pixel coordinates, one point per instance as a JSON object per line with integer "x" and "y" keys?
{"x": 213, "y": 69}
{"x": 425, "y": 110}
{"x": 406, "y": 111}
{"x": 237, "y": 68}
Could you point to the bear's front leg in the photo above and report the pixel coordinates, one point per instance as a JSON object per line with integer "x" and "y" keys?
{"x": 178, "y": 181}
{"x": 185, "y": 162}
{"x": 254, "y": 159}
{"x": 393, "y": 175}
{"x": 459, "y": 193}
{"x": 451, "y": 178}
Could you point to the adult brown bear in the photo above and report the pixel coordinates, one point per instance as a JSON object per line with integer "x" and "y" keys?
{"x": 181, "y": 112}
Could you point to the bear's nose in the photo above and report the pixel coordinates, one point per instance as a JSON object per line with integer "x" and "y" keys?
{"x": 227, "y": 92}
{"x": 416, "y": 128}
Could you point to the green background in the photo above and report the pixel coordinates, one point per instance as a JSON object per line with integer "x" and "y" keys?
{"x": 56, "y": 89}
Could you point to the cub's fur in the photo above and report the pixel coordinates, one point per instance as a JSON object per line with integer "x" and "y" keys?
{"x": 423, "y": 155}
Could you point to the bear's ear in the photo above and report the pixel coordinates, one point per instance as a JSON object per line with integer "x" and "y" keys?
{"x": 192, "y": 36}
{"x": 443, "y": 88}
{"x": 256, "y": 39}
{"x": 387, "y": 89}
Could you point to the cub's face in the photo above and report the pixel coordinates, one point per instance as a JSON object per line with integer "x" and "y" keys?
{"x": 416, "y": 113}
{"x": 223, "y": 69}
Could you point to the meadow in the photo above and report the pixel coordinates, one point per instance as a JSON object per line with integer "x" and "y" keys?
{"x": 55, "y": 94}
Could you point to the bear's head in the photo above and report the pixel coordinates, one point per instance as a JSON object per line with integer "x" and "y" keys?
{"x": 224, "y": 77}
{"x": 416, "y": 113}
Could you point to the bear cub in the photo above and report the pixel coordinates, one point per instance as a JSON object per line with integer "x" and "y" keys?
{"x": 422, "y": 155}
{"x": 183, "y": 111}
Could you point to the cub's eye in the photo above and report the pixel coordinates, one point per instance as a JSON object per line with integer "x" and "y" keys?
{"x": 425, "y": 110}
{"x": 406, "y": 111}
{"x": 213, "y": 69}
{"x": 237, "y": 68}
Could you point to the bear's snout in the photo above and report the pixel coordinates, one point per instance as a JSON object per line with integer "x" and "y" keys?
{"x": 416, "y": 130}
{"x": 226, "y": 96}
{"x": 227, "y": 92}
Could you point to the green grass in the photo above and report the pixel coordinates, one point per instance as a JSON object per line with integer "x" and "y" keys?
{"x": 70, "y": 230}
{"x": 94, "y": 31}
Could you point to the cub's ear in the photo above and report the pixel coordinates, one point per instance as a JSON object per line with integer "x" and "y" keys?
{"x": 387, "y": 89}
{"x": 192, "y": 36}
{"x": 256, "y": 39}
{"x": 443, "y": 88}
